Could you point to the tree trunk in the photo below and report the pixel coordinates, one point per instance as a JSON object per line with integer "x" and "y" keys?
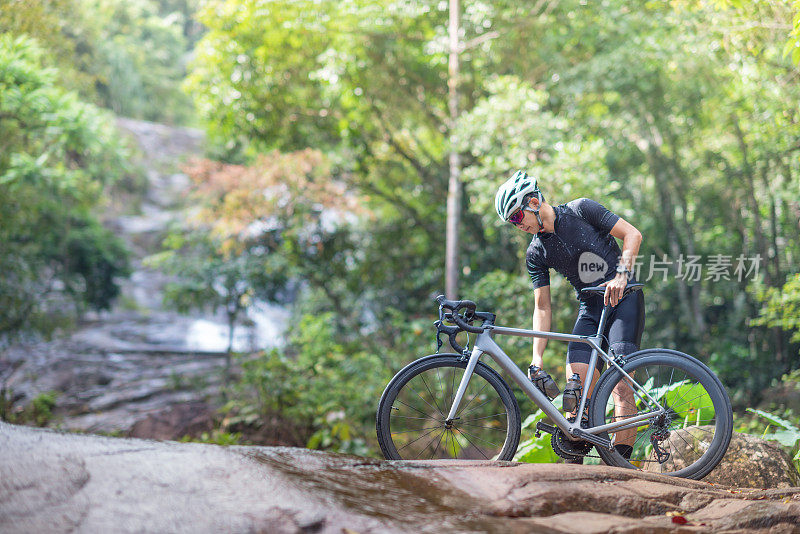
{"x": 229, "y": 352}
{"x": 752, "y": 201}
{"x": 454, "y": 188}
{"x": 659, "y": 168}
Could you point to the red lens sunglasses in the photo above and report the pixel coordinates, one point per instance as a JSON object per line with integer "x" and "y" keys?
{"x": 517, "y": 217}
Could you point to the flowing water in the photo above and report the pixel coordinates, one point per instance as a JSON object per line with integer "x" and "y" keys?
{"x": 139, "y": 359}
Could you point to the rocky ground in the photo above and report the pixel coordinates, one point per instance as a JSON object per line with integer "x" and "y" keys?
{"x": 139, "y": 369}
{"x": 53, "y": 482}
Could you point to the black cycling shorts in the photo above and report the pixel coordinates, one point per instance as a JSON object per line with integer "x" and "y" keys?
{"x": 623, "y": 329}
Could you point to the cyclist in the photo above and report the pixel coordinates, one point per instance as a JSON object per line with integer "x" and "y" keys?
{"x": 577, "y": 240}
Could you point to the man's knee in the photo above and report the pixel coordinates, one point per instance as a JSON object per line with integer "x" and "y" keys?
{"x": 624, "y": 348}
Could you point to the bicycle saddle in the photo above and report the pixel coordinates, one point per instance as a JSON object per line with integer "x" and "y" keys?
{"x": 600, "y": 290}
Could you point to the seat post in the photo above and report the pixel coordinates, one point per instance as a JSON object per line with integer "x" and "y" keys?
{"x": 603, "y": 318}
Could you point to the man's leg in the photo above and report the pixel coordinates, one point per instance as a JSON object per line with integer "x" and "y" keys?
{"x": 625, "y": 335}
{"x": 583, "y": 371}
{"x": 578, "y": 353}
{"x": 624, "y": 406}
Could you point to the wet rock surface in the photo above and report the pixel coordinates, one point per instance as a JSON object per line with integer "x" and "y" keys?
{"x": 58, "y": 482}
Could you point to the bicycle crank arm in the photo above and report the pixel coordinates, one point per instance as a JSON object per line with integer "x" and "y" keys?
{"x": 597, "y": 441}
{"x": 578, "y": 433}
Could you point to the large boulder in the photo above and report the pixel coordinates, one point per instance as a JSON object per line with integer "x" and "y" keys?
{"x": 53, "y": 482}
{"x": 750, "y": 462}
{"x": 175, "y": 422}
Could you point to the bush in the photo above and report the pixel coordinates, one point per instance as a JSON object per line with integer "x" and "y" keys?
{"x": 59, "y": 155}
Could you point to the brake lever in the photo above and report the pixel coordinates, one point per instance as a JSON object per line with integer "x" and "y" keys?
{"x": 439, "y": 333}
{"x": 451, "y": 332}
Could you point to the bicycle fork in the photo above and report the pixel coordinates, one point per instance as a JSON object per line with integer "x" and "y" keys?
{"x": 462, "y": 386}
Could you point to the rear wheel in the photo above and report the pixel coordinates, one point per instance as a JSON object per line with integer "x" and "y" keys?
{"x": 690, "y": 438}
{"x": 411, "y": 418}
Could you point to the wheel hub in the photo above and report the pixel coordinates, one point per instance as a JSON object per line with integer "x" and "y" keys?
{"x": 660, "y": 425}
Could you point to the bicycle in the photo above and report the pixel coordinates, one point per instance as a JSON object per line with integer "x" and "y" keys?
{"x": 681, "y": 415}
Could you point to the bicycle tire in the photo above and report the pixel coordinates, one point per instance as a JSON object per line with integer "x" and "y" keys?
{"x": 410, "y": 400}
{"x": 693, "y": 395}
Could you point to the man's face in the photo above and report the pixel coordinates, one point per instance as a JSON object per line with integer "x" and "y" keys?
{"x": 529, "y": 223}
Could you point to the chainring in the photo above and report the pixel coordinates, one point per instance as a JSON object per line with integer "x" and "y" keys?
{"x": 568, "y": 449}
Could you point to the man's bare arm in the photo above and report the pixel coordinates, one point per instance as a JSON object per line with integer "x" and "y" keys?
{"x": 541, "y": 321}
{"x": 631, "y": 240}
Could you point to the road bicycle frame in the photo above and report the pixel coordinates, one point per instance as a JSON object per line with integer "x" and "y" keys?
{"x": 484, "y": 343}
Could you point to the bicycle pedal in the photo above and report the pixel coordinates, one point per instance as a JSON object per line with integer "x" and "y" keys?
{"x": 544, "y": 427}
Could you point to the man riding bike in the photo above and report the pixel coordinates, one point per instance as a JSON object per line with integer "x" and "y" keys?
{"x": 577, "y": 240}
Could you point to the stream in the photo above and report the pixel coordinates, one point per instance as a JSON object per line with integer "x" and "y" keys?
{"x": 140, "y": 362}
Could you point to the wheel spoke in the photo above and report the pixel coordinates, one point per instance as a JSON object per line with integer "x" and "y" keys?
{"x": 425, "y": 448}
{"x": 426, "y": 402}
{"x": 415, "y": 409}
{"x": 438, "y": 443}
{"x": 416, "y": 430}
{"x": 409, "y": 417}
{"x": 470, "y": 442}
{"x": 416, "y": 440}
{"x": 494, "y": 428}
{"x": 433, "y": 397}
{"x": 464, "y": 410}
{"x": 485, "y": 417}
{"x": 478, "y": 406}
{"x": 494, "y": 445}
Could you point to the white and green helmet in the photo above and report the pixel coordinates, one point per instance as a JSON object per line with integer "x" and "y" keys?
{"x": 514, "y": 192}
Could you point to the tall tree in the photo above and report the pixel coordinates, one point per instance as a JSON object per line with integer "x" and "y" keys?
{"x": 454, "y": 184}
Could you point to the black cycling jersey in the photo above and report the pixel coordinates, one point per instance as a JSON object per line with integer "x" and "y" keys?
{"x": 580, "y": 247}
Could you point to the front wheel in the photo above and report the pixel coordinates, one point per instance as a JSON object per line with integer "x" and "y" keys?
{"x": 411, "y": 418}
{"x": 689, "y": 438}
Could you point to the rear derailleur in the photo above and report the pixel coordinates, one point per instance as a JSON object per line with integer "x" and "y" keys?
{"x": 661, "y": 432}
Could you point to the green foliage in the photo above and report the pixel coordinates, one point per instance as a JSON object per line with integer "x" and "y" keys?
{"x": 781, "y": 307}
{"x": 535, "y": 450}
{"x": 216, "y": 437}
{"x": 57, "y": 25}
{"x": 138, "y": 59}
{"x": 254, "y": 89}
{"x": 792, "y": 48}
{"x": 318, "y": 381}
{"x": 41, "y": 407}
{"x": 38, "y": 412}
{"x": 363, "y": 81}
{"x": 125, "y": 56}
{"x": 59, "y": 156}
{"x": 789, "y": 434}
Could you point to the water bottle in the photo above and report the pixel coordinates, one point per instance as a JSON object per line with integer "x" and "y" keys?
{"x": 543, "y": 381}
{"x": 572, "y": 393}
